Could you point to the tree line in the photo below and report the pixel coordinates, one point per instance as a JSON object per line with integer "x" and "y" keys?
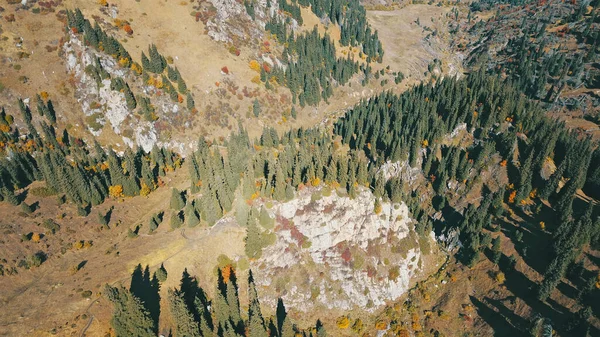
{"x": 86, "y": 175}
{"x": 193, "y": 313}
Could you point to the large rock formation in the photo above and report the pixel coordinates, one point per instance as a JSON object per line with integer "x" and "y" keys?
{"x": 339, "y": 253}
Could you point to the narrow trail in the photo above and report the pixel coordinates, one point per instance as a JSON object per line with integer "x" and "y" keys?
{"x": 91, "y": 318}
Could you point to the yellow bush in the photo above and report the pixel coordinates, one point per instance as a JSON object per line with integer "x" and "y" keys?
{"x": 316, "y": 182}
{"x": 500, "y": 278}
{"x": 115, "y": 191}
{"x": 78, "y": 245}
{"x": 343, "y": 322}
{"x": 381, "y": 325}
{"x": 254, "y": 65}
{"x": 377, "y": 208}
{"x": 35, "y": 237}
{"x": 124, "y": 62}
{"x": 144, "y": 190}
{"x": 136, "y": 67}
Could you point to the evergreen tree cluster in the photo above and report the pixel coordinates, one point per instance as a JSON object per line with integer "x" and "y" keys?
{"x": 193, "y": 313}
{"x": 313, "y": 69}
{"x": 351, "y": 16}
{"x": 292, "y": 9}
{"x": 154, "y": 63}
{"x": 412, "y": 126}
{"x": 96, "y": 37}
{"x": 541, "y": 71}
{"x": 69, "y": 167}
{"x": 217, "y": 177}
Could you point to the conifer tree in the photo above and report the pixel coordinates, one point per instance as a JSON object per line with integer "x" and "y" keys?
{"x": 130, "y": 317}
{"x": 256, "y": 323}
{"x": 185, "y": 323}
{"x": 253, "y": 240}
{"x": 177, "y": 202}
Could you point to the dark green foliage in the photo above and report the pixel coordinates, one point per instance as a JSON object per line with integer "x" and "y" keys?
{"x": 313, "y": 67}
{"x": 254, "y": 242}
{"x": 256, "y": 108}
{"x": 256, "y": 322}
{"x": 192, "y": 312}
{"x": 27, "y": 209}
{"x": 129, "y": 98}
{"x": 51, "y": 226}
{"x": 293, "y": 113}
{"x": 155, "y": 221}
{"x": 156, "y": 63}
{"x": 95, "y": 36}
{"x": 130, "y": 317}
{"x": 191, "y": 216}
{"x": 351, "y": 16}
{"x": 496, "y": 252}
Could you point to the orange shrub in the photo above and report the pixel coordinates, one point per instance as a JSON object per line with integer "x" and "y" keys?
{"x": 511, "y": 197}
{"x": 128, "y": 30}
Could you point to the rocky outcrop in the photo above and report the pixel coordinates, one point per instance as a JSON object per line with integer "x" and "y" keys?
{"x": 337, "y": 252}
{"x": 105, "y": 107}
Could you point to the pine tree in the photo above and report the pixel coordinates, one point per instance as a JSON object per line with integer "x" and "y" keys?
{"x": 256, "y": 108}
{"x": 129, "y": 98}
{"x": 253, "y": 240}
{"x": 161, "y": 274}
{"x": 176, "y": 219}
{"x": 177, "y": 202}
{"x": 185, "y": 324}
{"x": 181, "y": 86}
{"x": 191, "y": 217}
{"x": 130, "y": 317}
{"x": 256, "y": 323}
{"x": 190, "y": 101}
{"x": 496, "y": 253}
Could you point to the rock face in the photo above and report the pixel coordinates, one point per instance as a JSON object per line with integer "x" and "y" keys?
{"x": 227, "y": 20}
{"x": 336, "y": 252}
{"x": 105, "y": 107}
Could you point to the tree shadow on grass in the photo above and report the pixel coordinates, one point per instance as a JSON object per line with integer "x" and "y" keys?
{"x": 499, "y": 323}
{"x": 593, "y": 259}
{"x": 568, "y": 290}
{"x": 526, "y": 290}
{"x": 537, "y": 244}
{"x": 516, "y": 320}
